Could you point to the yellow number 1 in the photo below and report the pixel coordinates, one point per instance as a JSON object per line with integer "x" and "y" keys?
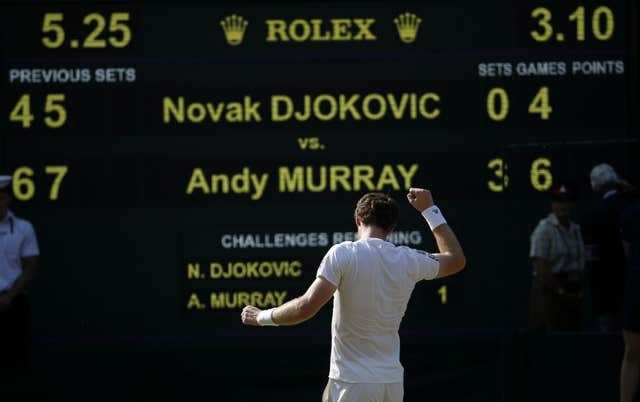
{"x": 443, "y": 294}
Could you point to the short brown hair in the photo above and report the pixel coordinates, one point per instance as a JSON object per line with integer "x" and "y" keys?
{"x": 378, "y": 209}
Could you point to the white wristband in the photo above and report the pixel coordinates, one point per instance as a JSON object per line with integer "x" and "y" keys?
{"x": 265, "y": 318}
{"x": 434, "y": 217}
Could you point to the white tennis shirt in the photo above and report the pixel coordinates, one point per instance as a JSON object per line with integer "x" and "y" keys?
{"x": 17, "y": 240}
{"x": 375, "y": 279}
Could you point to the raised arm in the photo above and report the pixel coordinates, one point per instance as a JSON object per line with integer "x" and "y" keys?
{"x": 451, "y": 255}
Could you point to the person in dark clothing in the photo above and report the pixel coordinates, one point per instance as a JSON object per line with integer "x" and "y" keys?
{"x": 630, "y": 371}
{"x": 606, "y": 265}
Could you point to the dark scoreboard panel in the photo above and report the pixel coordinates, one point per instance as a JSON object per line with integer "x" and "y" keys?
{"x": 182, "y": 160}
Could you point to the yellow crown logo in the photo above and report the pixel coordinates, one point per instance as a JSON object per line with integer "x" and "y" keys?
{"x": 234, "y": 27}
{"x": 407, "y": 25}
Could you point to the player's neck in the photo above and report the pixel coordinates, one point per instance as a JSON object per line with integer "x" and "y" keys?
{"x": 367, "y": 232}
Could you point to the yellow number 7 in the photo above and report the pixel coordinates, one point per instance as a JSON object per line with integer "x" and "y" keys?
{"x": 60, "y": 172}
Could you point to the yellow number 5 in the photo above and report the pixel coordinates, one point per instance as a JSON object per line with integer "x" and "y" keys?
{"x": 117, "y": 23}
{"x": 52, "y": 107}
{"x": 51, "y": 24}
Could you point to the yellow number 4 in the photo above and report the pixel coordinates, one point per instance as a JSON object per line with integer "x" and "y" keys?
{"x": 22, "y": 111}
{"x": 540, "y": 104}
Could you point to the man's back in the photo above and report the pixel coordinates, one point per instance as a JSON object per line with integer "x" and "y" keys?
{"x": 601, "y": 228}
{"x": 375, "y": 280}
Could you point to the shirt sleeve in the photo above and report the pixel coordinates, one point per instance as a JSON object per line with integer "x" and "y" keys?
{"x": 424, "y": 266}
{"x": 334, "y": 263}
{"x": 540, "y": 243}
{"x": 29, "y": 246}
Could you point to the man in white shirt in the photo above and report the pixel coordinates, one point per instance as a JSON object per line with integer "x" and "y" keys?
{"x": 372, "y": 281}
{"x": 18, "y": 259}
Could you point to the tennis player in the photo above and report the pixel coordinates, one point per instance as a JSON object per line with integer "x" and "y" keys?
{"x": 372, "y": 280}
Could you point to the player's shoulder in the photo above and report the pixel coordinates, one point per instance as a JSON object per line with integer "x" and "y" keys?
{"x": 343, "y": 247}
{"x": 416, "y": 252}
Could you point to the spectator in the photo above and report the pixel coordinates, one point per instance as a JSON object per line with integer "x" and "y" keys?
{"x": 631, "y": 362}
{"x": 557, "y": 254}
{"x": 18, "y": 259}
{"x": 606, "y": 263}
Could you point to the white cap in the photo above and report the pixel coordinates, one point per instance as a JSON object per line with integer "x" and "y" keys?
{"x": 601, "y": 175}
{"x": 4, "y": 181}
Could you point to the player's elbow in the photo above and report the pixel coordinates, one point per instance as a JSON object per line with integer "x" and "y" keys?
{"x": 456, "y": 263}
{"x": 461, "y": 261}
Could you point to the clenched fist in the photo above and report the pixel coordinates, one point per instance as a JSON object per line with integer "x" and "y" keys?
{"x": 420, "y": 198}
{"x": 249, "y": 315}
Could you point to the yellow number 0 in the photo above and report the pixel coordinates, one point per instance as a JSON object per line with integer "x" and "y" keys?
{"x": 598, "y": 32}
{"x": 500, "y": 112}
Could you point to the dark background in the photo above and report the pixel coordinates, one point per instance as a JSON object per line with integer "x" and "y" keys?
{"x": 109, "y": 304}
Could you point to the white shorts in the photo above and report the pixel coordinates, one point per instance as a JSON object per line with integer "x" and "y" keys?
{"x": 338, "y": 391}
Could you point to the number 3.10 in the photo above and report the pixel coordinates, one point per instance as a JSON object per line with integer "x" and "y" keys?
{"x": 24, "y": 187}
